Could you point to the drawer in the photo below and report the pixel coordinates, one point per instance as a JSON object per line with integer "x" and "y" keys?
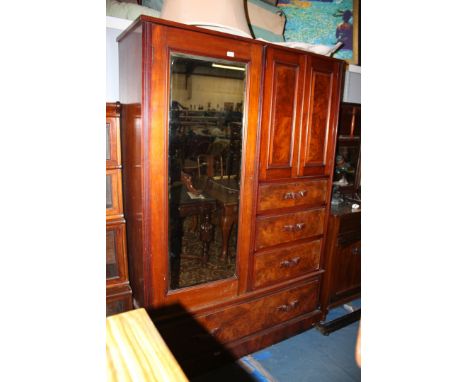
{"x": 242, "y": 320}
{"x": 285, "y": 228}
{"x": 286, "y": 263}
{"x": 114, "y": 193}
{"x": 284, "y": 195}
{"x": 116, "y": 254}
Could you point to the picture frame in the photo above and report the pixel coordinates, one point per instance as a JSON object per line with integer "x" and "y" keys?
{"x": 325, "y": 22}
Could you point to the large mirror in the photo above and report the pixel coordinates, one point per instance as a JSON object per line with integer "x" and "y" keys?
{"x": 205, "y": 144}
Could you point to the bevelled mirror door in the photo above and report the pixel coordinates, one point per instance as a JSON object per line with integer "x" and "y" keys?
{"x": 207, "y": 98}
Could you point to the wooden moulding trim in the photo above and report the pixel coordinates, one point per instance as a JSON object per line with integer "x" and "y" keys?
{"x": 144, "y": 18}
{"x": 118, "y": 290}
{"x": 146, "y": 120}
{"x": 247, "y": 285}
{"x": 115, "y": 221}
{"x": 112, "y": 109}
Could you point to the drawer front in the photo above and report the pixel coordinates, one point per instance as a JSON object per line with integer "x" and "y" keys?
{"x": 284, "y": 195}
{"x": 284, "y": 264}
{"x": 116, "y": 258}
{"x": 284, "y": 228}
{"x": 242, "y": 320}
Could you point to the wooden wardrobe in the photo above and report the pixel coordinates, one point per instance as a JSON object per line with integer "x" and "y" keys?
{"x": 269, "y": 214}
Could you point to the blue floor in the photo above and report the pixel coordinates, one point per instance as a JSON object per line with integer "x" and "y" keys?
{"x": 306, "y": 357}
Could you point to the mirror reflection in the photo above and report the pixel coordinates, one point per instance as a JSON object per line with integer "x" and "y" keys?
{"x": 205, "y": 143}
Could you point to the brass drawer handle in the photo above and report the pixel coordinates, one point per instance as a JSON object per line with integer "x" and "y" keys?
{"x": 294, "y": 227}
{"x": 215, "y": 331}
{"x": 294, "y": 195}
{"x": 290, "y": 263}
{"x": 206, "y": 336}
{"x": 356, "y": 251}
{"x": 288, "y": 307}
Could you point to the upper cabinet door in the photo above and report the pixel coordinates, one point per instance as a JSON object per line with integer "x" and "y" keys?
{"x": 282, "y": 107}
{"x": 322, "y": 93}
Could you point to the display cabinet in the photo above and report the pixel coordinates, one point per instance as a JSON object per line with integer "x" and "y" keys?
{"x": 347, "y": 173}
{"x": 228, "y": 150}
{"x": 118, "y": 291}
{"x": 342, "y": 281}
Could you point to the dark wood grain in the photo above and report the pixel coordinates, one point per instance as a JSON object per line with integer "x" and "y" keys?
{"x": 282, "y": 107}
{"x": 277, "y": 229}
{"x": 244, "y": 319}
{"x": 292, "y": 194}
{"x": 286, "y": 263}
{"x": 342, "y": 281}
{"x": 323, "y": 91}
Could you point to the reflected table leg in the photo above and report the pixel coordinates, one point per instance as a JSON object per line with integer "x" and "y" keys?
{"x": 228, "y": 218}
{"x": 202, "y": 209}
{"x": 206, "y": 232}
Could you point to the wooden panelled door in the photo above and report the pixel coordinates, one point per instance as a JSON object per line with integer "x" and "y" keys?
{"x": 282, "y": 107}
{"x": 317, "y": 133}
{"x": 300, "y": 92}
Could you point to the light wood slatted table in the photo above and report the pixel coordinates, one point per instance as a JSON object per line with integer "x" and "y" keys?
{"x": 136, "y": 351}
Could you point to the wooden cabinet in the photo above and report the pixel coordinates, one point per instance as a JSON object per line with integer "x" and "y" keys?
{"x": 342, "y": 281}
{"x": 240, "y": 251}
{"x": 118, "y": 292}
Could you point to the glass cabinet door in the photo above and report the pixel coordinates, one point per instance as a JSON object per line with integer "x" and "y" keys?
{"x": 116, "y": 268}
{"x": 113, "y": 196}
{"x": 205, "y": 149}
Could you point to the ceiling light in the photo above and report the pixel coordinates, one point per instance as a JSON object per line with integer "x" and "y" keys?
{"x": 228, "y": 67}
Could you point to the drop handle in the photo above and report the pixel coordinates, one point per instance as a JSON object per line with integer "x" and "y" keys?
{"x": 206, "y": 336}
{"x": 356, "y": 251}
{"x": 294, "y": 195}
{"x": 288, "y": 307}
{"x": 294, "y": 227}
{"x": 290, "y": 263}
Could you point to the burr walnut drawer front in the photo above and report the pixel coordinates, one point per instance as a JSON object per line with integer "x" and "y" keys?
{"x": 286, "y": 263}
{"x": 285, "y": 228}
{"x": 284, "y": 195}
{"x": 242, "y": 320}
